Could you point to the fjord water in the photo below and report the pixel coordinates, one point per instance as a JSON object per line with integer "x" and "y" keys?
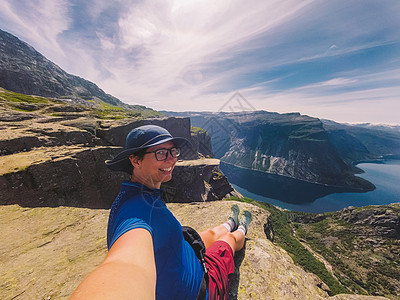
{"x": 301, "y": 196}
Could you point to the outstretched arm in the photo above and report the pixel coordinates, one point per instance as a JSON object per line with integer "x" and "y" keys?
{"x": 128, "y": 271}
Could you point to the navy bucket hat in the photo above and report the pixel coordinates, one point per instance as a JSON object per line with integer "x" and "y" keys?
{"x": 141, "y": 138}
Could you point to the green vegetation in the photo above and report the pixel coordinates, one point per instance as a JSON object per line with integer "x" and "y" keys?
{"x": 101, "y": 110}
{"x": 284, "y": 237}
{"x": 217, "y": 174}
{"x": 196, "y": 130}
{"x": 21, "y": 109}
{"x": 108, "y": 111}
{"x": 16, "y": 97}
{"x": 362, "y": 260}
{"x": 309, "y": 133}
{"x": 346, "y": 276}
{"x": 108, "y": 107}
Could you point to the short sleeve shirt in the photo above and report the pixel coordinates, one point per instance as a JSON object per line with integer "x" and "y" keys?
{"x": 179, "y": 272}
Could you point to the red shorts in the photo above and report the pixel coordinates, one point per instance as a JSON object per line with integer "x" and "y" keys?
{"x": 220, "y": 265}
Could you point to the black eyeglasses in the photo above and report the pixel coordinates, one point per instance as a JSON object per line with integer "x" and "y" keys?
{"x": 162, "y": 154}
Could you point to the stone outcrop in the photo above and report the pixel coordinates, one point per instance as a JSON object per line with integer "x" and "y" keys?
{"x": 61, "y": 176}
{"x": 201, "y": 139}
{"x": 47, "y": 160}
{"x": 196, "y": 181}
{"x": 199, "y": 142}
{"x": 383, "y": 221}
{"x": 51, "y": 256}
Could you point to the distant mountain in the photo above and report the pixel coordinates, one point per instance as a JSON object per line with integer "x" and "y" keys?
{"x": 24, "y": 70}
{"x": 294, "y": 145}
{"x": 361, "y": 142}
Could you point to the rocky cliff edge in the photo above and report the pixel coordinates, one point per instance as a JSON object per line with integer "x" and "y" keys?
{"x": 52, "y": 153}
{"x": 59, "y": 246}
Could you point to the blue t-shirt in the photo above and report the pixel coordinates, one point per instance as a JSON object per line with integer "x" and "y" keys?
{"x": 179, "y": 272}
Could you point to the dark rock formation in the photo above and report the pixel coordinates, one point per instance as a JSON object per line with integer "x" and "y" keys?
{"x": 306, "y": 218}
{"x": 24, "y": 70}
{"x": 384, "y": 221}
{"x": 348, "y": 147}
{"x": 197, "y": 181}
{"x": 269, "y": 230}
{"x": 201, "y": 140}
{"x": 77, "y": 179}
{"x": 115, "y": 135}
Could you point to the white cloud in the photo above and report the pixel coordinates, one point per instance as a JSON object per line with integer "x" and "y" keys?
{"x": 38, "y": 22}
{"x": 379, "y": 104}
{"x": 172, "y": 41}
{"x": 192, "y": 55}
{"x": 339, "y": 81}
{"x": 177, "y": 46}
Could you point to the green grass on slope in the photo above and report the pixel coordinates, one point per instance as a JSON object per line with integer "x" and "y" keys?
{"x": 300, "y": 255}
{"x": 196, "y": 130}
{"x": 101, "y": 110}
{"x": 16, "y": 97}
{"x": 364, "y": 262}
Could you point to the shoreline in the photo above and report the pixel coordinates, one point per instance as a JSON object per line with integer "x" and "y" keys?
{"x": 348, "y": 189}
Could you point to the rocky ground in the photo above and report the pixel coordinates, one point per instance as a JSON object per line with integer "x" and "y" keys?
{"x": 361, "y": 245}
{"x": 46, "y": 252}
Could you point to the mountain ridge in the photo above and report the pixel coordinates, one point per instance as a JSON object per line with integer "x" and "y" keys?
{"x": 24, "y": 70}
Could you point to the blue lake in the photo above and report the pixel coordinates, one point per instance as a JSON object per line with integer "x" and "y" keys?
{"x": 309, "y": 198}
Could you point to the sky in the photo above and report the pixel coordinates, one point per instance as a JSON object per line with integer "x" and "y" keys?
{"x": 338, "y": 60}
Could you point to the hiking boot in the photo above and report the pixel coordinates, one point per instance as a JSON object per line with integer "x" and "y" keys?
{"x": 245, "y": 220}
{"x": 234, "y": 216}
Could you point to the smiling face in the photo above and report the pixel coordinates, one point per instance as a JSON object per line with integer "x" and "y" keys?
{"x": 151, "y": 172}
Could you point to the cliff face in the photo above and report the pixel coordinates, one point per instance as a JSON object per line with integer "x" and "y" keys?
{"x": 291, "y": 145}
{"x": 297, "y": 147}
{"x": 196, "y": 181}
{"x": 53, "y": 160}
{"x": 202, "y": 141}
